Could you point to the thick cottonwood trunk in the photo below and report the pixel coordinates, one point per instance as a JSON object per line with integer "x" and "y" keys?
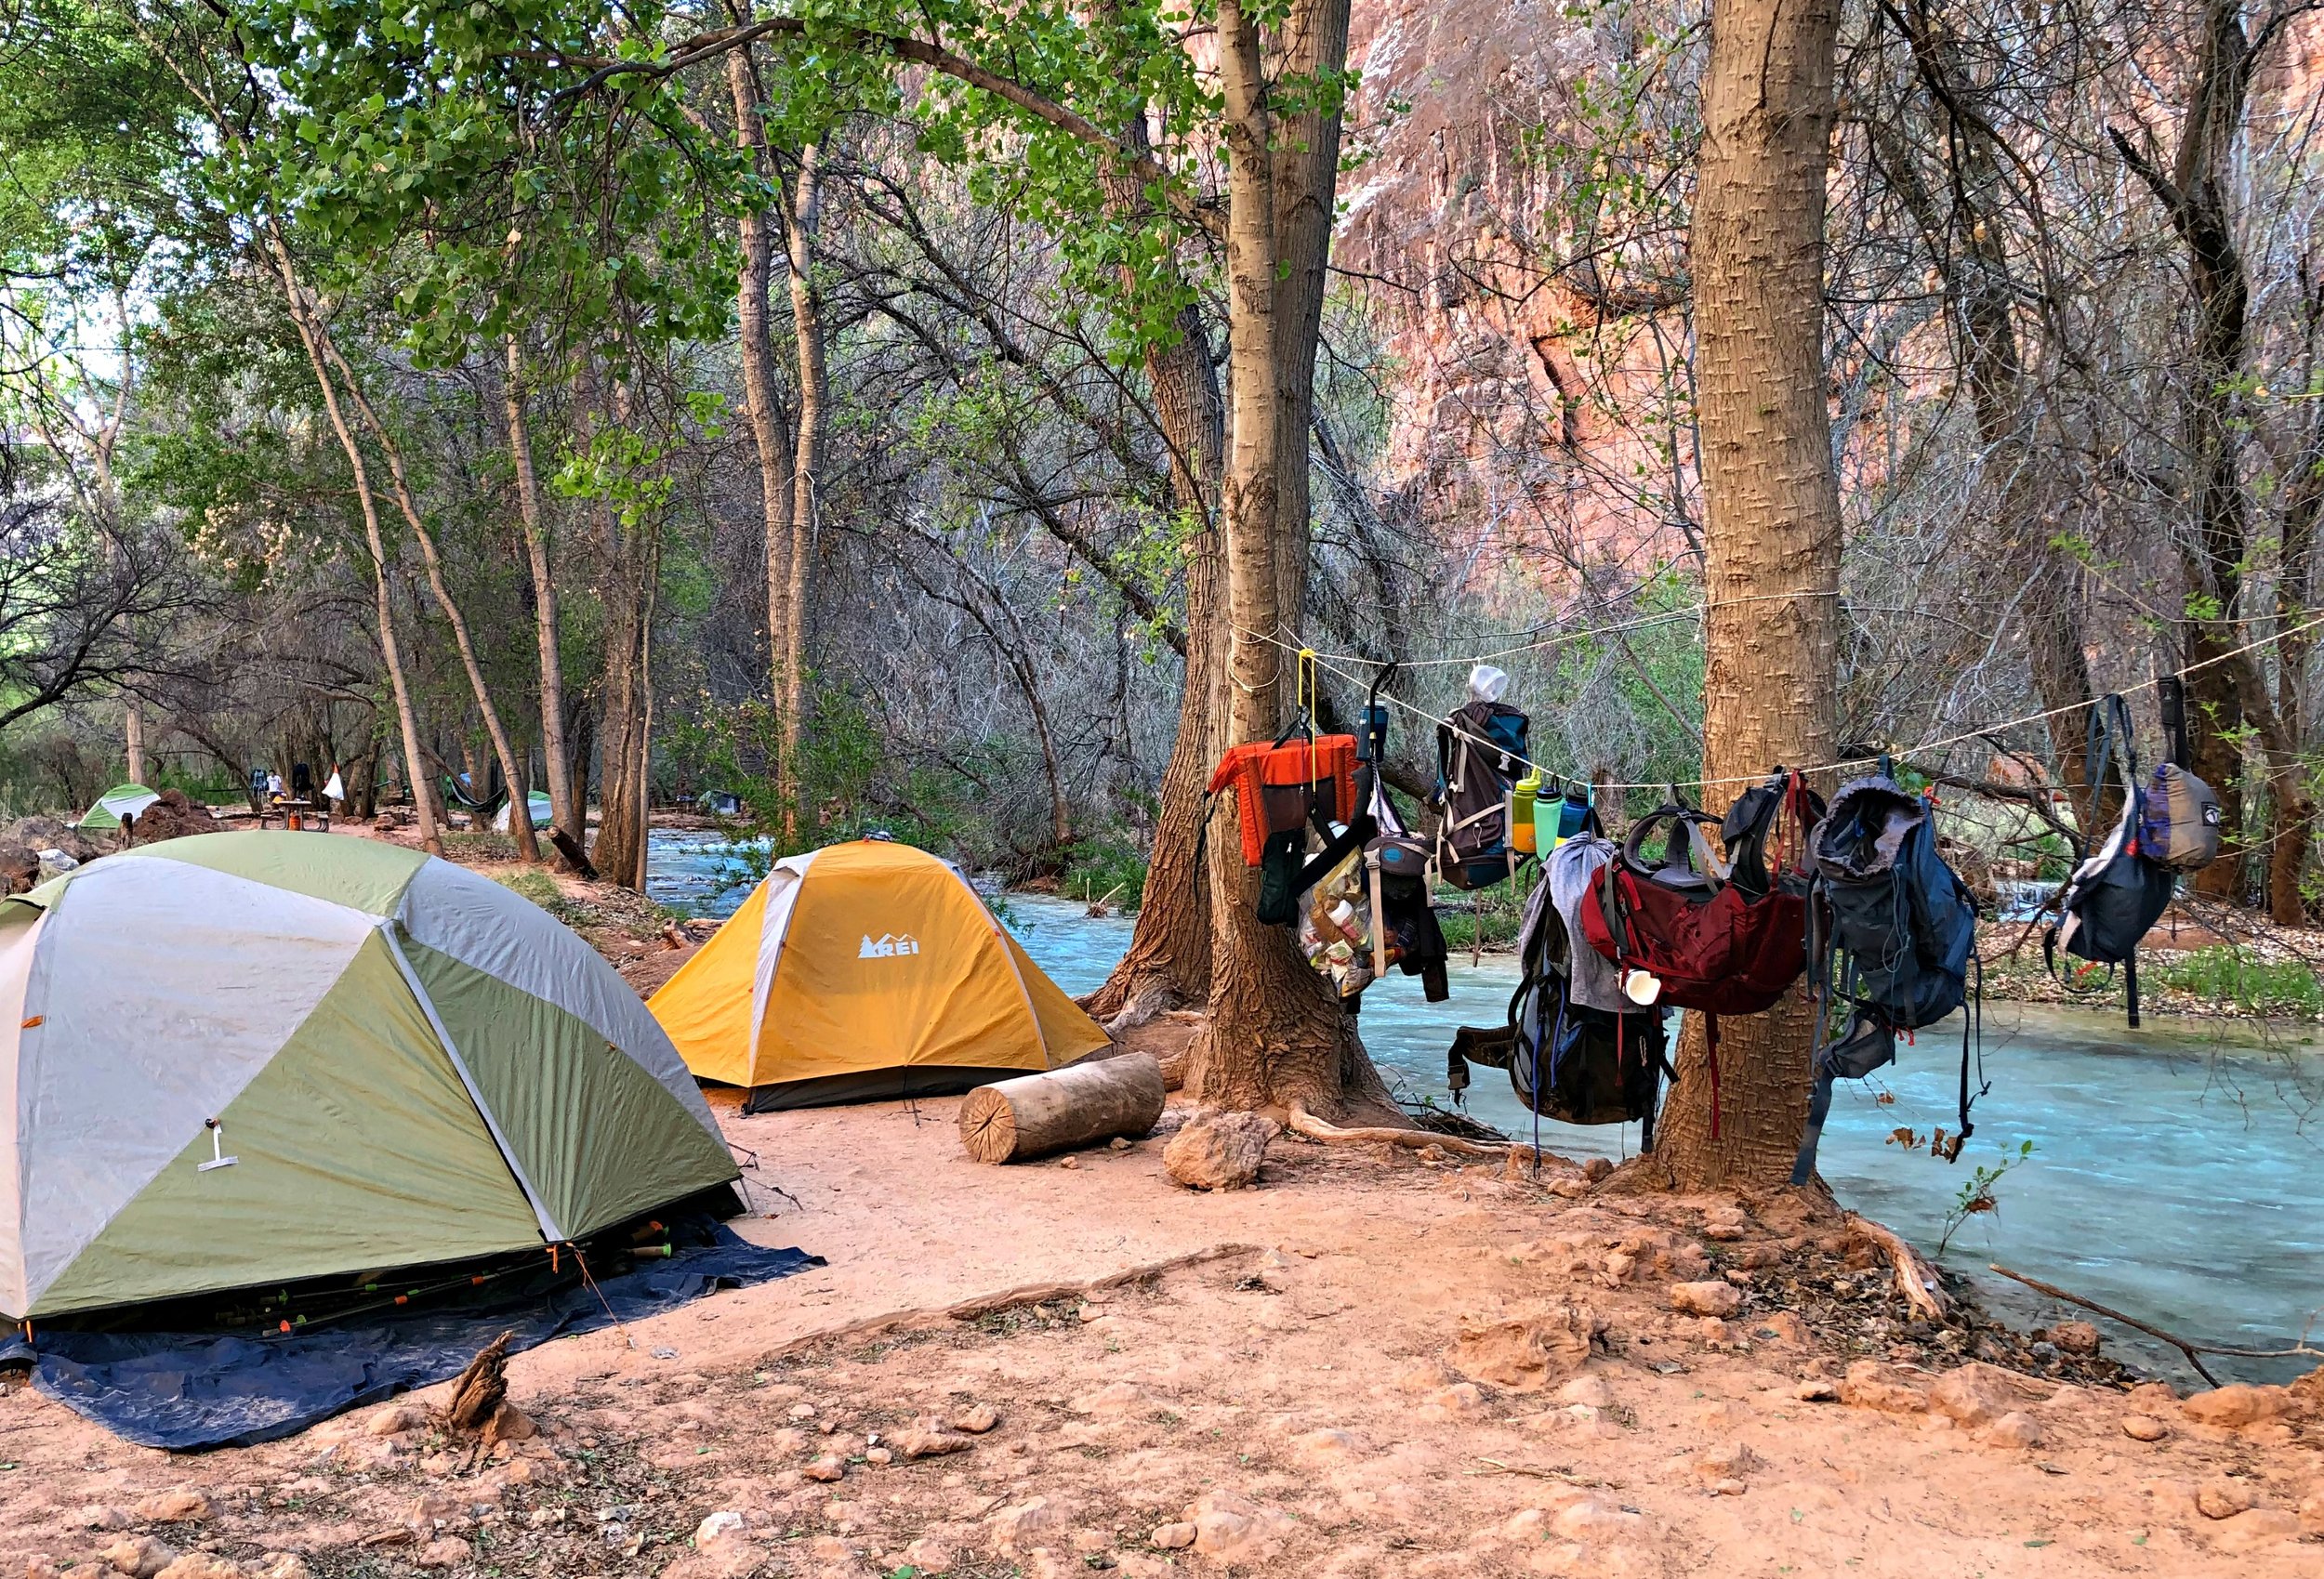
{"x": 565, "y": 806}
{"x": 805, "y": 215}
{"x": 769, "y": 423}
{"x": 1277, "y": 1035}
{"x": 619, "y": 853}
{"x": 1168, "y": 962}
{"x": 2295, "y": 585}
{"x": 390, "y": 650}
{"x": 133, "y": 741}
{"x": 1771, "y": 519}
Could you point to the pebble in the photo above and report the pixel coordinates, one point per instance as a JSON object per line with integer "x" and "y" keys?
{"x": 2075, "y": 1337}
{"x": 1325, "y": 1446}
{"x": 976, "y": 1419}
{"x": 926, "y": 1439}
{"x": 827, "y": 1468}
{"x": 2015, "y": 1428}
{"x": 1729, "y": 1488}
{"x": 140, "y": 1557}
{"x": 879, "y": 1455}
{"x": 282, "y": 1565}
{"x": 1115, "y": 1397}
{"x": 803, "y": 1411}
{"x": 1589, "y": 1387}
{"x": 2225, "y": 1498}
{"x": 1593, "y": 1520}
{"x": 102, "y": 1516}
{"x": 395, "y": 1419}
{"x": 717, "y": 1526}
{"x": 1720, "y": 1299}
{"x": 1174, "y": 1536}
{"x": 1019, "y": 1528}
{"x": 2143, "y": 1429}
{"x": 1815, "y": 1391}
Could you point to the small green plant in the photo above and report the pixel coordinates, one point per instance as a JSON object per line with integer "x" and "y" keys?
{"x": 2229, "y": 973}
{"x": 530, "y": 882}
{"x": 1976, "y": 1196}
{"x": 1108, "y": 868}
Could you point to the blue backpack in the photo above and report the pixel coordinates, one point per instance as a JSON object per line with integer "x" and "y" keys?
{"x": 1892, "y": 935}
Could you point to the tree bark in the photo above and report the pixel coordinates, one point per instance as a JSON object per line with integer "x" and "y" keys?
{"x": 804, "y": 216}
{"x": 770, "y": 424}
{"x": 390, "y": 650}
{"x": 1168, "y": 962}
{"x": 133, "y": 740}
{"x": 1276, "y": 1037}
{"x": 1012, "y": 1120}
{"x": 2295, "y": 585}
{"x": 1771, "y": 519}
{"x": 564, "y": 806}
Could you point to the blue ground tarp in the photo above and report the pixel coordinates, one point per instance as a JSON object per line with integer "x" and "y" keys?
{"x": 189, "y": 1391}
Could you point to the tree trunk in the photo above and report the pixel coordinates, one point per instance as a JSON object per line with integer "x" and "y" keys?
{"x": 804, "y": 215}
{"x": 1168, "y": 962}
{"x": 390, "y": 650}
{"x": 564, "y": 806}
{"x": 1771, "y": 519}
{"x": 619, "y": 853}
{"x": 2295, "y": 583}
{"x": 1012, "y": 1120}
{"x": 1277, "y": 1035}
{"x": 133, "y": 740}
{"x": 519, "y": 804}
{"x": 770, "y": 424}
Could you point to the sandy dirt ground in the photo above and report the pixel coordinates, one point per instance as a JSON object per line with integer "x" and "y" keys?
{"x": 1369, "y": 1364}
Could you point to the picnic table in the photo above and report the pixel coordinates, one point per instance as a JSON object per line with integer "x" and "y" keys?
{"x": 296, "y": 813}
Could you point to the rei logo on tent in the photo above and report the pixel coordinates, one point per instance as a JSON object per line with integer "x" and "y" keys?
{"x": 887, "y": 946}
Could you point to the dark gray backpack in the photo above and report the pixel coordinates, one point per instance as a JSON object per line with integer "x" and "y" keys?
{"x": 2119, "y": 891}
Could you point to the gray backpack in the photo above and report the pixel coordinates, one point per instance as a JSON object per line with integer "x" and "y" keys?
{"x": 2178, "y": 822}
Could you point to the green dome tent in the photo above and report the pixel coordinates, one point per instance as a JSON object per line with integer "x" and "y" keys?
{"x": 121, "y": 800}
{"x": 406, "y": 1064}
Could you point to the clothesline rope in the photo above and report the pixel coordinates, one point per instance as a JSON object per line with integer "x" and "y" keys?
{"x": 1563, "y": 637}
{"x": 1332, "y": 663}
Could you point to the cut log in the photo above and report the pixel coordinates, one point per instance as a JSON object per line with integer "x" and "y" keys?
{"x": 1040, "y": 1114}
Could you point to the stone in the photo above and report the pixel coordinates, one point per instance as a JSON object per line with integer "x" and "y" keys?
{"x": 1976, "y": 1394}
{"x": 2260, "y": 1527}
{"x": 1446, "y": 1404}
{"x": 976, "y": 1419}
{"x": 2236, "y": 1404}
{"x": 395, "y": 1419}
{"x": 1589, "y": 1387}
{"x": 509, "y": 1424}
{"x": 1596, "y": 1168}
{"x": 803, "y": 1411}
{"x": 1220, "y": 1151}
{"x": 879, "y": 1455}
{"x": 2143, "y": 1429}
{"x": 1729, "y": 1488}
{"x": 2075, "y": 1337}
{"x": 1720, "y": 1299}
{"x": 1787, "y": 1327}
{"x": 1727, "y": 1461}
{"x": 922, "y": 1441}
{"x": 2154, "y": 1395}
{"x": 1619, "y": 1266}
{"x": 1815, "y": 1390}
{"x": 449, "y": 1552}
{"x": 202, "y": 1565}
{"x": 1231, "y": 1529}
{"x": 1021, "y": 1527}
{"x": 2015, "y": 1428}
{"x": 282, "y": 1565}
{"x": 1870, "y": 1385}
{"x": 102, "y": 1516}
{"x": 827, "y": 1468}
{"x": 1173, "y": 1537}
{"x": 1592, "y": 1519}
{"x": 1526, "y": 1353}
{"x": 717, "y": 1526}
{"x": 2225, "y": 1498}
{"x": 140, "y": 1557}
{"x": 1115, "y": 1397}
{"x": 183, "y": 1505}
{"x": 930, "y": 1554}
{"x": 40, "y": 1565}
{"x": 1325, "y": 1446}
{"x": 2311, "y": 1511}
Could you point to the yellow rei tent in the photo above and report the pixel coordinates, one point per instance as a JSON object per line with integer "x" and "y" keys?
{"x": 863, "y": 971}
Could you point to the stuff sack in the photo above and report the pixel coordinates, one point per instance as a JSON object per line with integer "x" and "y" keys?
{"x": 2178, "y": 827}
{"x": 1480, "y": 751}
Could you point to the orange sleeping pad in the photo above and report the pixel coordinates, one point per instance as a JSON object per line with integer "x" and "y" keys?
{"x": 1273, "y": 784}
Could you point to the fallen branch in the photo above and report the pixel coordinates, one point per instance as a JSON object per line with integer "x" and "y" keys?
{"x": 1307, "y": 1123}
{"x": 1916, "y": 1280}
{"x": 2191, "y": 1349}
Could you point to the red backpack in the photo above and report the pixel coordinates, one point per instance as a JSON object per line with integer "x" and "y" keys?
{"x": 1722, "y": 936}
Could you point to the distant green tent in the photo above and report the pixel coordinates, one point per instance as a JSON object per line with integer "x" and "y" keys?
{"x": 121, "y": 800}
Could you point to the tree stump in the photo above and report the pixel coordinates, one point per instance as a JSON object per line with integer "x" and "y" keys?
{"x": 1040, "y": 1114}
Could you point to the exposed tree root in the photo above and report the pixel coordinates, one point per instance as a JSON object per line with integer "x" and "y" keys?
{"x": 1024, "y": 1294}
{"x": 1307, "y": 1123}
{"x": 1916, "y": 1280}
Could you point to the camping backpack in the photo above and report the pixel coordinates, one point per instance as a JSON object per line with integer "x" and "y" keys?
{"x": 1480, "y": 751}
{"x": 2119, "y": 891}
{"x": 1894, "y": 941}
{"x": 1698, "y": 939}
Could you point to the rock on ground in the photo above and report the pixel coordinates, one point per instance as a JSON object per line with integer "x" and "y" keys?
{"x": 1706, "y": 1299}
{"x": 1524, "y": 1353}
{"x": 1220, "y": 1151}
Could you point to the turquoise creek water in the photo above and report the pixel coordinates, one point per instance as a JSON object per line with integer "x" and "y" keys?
{"x": 2177, "y": 1171}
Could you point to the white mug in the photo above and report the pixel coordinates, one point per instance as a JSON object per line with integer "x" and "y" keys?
{"x": 1640, "y": 986}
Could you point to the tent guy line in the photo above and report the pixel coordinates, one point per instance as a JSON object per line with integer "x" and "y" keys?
{"x": 1337, "y": 664}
